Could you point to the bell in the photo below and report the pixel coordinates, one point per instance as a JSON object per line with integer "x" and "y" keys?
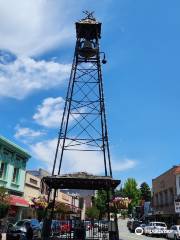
{"x": 87, "y": 50}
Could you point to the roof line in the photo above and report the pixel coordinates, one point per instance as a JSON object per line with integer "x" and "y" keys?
{"x": 15, "y": 146}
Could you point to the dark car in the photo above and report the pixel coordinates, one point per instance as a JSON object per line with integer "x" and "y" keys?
{"x": 18, "y": 230}
{"x": 134, "y": 225}
{"x": 129, "y": 223}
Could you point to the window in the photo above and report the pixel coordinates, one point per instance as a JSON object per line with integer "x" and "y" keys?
{"x": 15, "y": 175}
{"x": 42, "y": 187}
{"x": 173, "y": 228}
{"x": 161, "y": 199}
{"x": 20, "y": 223}
{"x": 157, "y": 200}
{"x": 2, "y": 170}
{"x": 33, "y": 181}
{"x": 7, "y": 153}
{"x": 165, "y": 197}
{"x": 171, "y": 196}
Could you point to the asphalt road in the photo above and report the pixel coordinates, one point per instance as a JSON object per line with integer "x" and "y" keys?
{"x": 125, "y": 234}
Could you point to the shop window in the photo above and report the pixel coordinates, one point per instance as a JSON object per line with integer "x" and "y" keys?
{"x": 157, "y": 200}
{"x": 15, "y": 175}
{"x": 161, "y": 199}
{"x": 171, "y": 196}
{"x": 2, "y": 169}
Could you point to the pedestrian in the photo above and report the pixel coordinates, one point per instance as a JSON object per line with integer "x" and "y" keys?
{"x": 29, "y": 231}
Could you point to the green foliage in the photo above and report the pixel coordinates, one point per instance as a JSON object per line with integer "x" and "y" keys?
{"x": 92, "y": 212}
{"x": 120, "y": 193}
{"x": 132, "y": 192}
{"x": 4, "y": 202}
{"x": 101, "y": 202}
{"x": 40, "y": 213}
{"x": 61, "y": 207}
{"x": 3, "y": 210}
{"x": 4, "y": 195}
{"x": 145, "y": 192}
{"x": 124, "y": 213}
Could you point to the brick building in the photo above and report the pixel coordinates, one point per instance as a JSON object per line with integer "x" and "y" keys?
{"x": 166, "y": 194}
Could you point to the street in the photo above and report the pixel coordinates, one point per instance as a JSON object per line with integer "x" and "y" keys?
{"x": 125, "y": 234}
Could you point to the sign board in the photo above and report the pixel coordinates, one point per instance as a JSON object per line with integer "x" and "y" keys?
{"x": 177, "y": 206}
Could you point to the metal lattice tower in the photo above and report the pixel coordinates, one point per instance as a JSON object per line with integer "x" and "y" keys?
{"x": 83, "y": 127}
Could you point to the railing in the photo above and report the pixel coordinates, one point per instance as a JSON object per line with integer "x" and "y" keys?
{"x": 81, "y": 230}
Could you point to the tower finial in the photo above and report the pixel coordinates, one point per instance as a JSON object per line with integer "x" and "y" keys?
{"x": 89, "y": 15}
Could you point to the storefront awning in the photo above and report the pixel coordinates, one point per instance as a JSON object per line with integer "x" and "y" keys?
{"x": 18, "y": 201}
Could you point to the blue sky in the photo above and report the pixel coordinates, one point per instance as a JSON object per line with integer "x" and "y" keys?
{"x": 141, "y": 79}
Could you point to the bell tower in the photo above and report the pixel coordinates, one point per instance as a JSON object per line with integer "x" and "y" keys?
{"x": 83, "y": 128}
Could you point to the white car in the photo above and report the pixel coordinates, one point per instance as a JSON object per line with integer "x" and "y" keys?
{"x": 156, "y": 228}
{"x": 174, "y": 232}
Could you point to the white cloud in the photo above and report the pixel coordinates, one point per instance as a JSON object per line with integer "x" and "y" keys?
{"x": 73, "y": 161}
{"x": 124, "y": 165}
{"x": 31, "y": 27}
{"x": 49, "y": 113}
{"x": 26, "y": 75}
{"x": 25, "y": 133}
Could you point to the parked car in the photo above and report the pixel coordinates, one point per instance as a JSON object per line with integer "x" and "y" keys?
{"x": 129, "y": 222}
{"x": 134, "y": 225}
{"x": 18, "y": 230}
{"x": 174, "y": 232}
{"x": 143, "y": 225}
{"x": 155, "y": 228}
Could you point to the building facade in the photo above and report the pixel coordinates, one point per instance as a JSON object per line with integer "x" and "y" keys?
{"x": 32, "y": 189}
{"x": 13, "y": 160}
{"x": 166, "y": 195}
{"x": 39, "y": 188}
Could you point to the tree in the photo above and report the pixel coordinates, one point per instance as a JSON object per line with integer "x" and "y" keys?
{"x": 120, "y": 193}
{"x": 4, "y": 202}
{"x": 61, "y": 207}
{"x": 132, "y": 192}
{"x": 101, "y": 202}
{"x": 92, "y": 212}
{"x": 145, "y": 192}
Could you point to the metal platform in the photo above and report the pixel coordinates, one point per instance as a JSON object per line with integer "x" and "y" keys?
{"x": 88, "y": 182}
